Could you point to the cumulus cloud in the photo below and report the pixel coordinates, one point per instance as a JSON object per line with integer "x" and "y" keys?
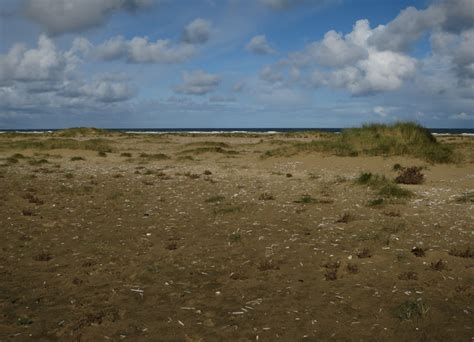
{"x": 445, "y": 15}
{"x": 60, "y": 16}
{"x": 259, "y": 46}
{"x": 197, "y": 32}
{"x": 271, "y": 74}
{"x": 197, "y": 82}
{"x": 38, "y": 64}
{"x": 141, "y": 50}
{"x": 348, "y": 62}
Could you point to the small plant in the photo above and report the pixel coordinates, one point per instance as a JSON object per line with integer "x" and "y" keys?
{"x": 397, "y": 167}
{"x": 352, "y": 268}
{"x": 410, "y": 275}
{"x": 235, "y": 237}
{"x": 76, "y": 158}
{"x": 268, "y": 265}
{"x": 43, "y": 256}
{"x": 393, "y": 190}
{"x": 192, "y": 175}
{"x": 207, "y": 173}
{"x": 172, "y": 246}
{"x": 364, "y": 253}
{"x": 375, "y": 202}
{"x": 289, "y": 175}
{"x": 215, "y": 199}
{"x": 331, "y": 270}
{"x": 345, "y": 218}
{"x": 438, "y": 266}
{"x": 331, "y": 274}
{"x": 24, "y": 321}
{"x": 305, "y": 199}
{"x": 462, "y": 252}
{"x": 102, "y": 154}
{"x": 467, "y": 197}
{"x": 418, "y": 252}
{"x": 364, "y": 178}
{"x": 266, "y": 197}
{"x": 410, "y": 175}
{"x": 411, "y": 309}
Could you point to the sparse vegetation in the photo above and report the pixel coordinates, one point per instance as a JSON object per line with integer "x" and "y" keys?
{"x": 418, "y": 251}
{"x": 411, "y": 309}
{"x": 467, "y": 197}
{"x": 467, "y": 252}
{"x": 305, "y": 199}
{"x": 266, "y": 197}
{"x": 385, "y": 187}
{"x": 76, "y": 158}
{"x": 215, "y": 199}
{"x": 410, "y": 175}
{"x": 155, "y": 156}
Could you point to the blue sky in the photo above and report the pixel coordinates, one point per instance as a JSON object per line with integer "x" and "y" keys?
{"x": 235, "y": 63}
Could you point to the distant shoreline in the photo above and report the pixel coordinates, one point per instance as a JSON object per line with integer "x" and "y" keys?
{"x": 434, "y": 131}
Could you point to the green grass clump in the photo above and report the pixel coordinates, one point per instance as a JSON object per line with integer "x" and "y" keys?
{"x": 215, "y": 199}
{"x": 76, "y": 158}
{"x": 375, "y": 202}
{"x": 411, "y": 309}
{"x": 402, "y": 138}
{"x": 393, "y": 190}
{"x": 155, "y": 156}
{"x": 305, "y": 199}
{"x": 385, "y": 187}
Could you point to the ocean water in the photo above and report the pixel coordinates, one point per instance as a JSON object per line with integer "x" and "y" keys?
{"x": 437, "y": 131}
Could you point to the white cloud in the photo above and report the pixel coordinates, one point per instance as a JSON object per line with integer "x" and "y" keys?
{"x": 141, "y": 50}
{"x": 259, "y": 45}
{"x": 463, "y": 116}
{"x": 197, "y": 32}
{"x": 38, "y": 64}
{"x": 347, "y": 62}
{"x": 197, "y": 82}
{"x": 407, "y": 28}
{"x": 271, "y": 74}
{"x": 60, "y": 16}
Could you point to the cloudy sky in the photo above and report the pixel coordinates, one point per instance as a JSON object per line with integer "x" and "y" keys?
{"x": 235, "y": 63}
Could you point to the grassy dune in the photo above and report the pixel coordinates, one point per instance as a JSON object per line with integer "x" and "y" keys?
{"x": 403, "y": 138}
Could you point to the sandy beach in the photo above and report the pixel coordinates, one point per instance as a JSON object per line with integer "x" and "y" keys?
{"x": 182, "y": 237}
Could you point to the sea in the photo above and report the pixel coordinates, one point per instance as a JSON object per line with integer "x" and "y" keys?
{"x": 435, "y": 131}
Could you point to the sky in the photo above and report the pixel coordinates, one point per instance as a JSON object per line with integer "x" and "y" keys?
{"x": 235, "y": 63}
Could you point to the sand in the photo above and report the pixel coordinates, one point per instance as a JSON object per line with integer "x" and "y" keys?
{"x": 219, "y": 245}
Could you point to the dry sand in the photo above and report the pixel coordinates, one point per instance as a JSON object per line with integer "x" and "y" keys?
{"x": 216, "y": 248}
